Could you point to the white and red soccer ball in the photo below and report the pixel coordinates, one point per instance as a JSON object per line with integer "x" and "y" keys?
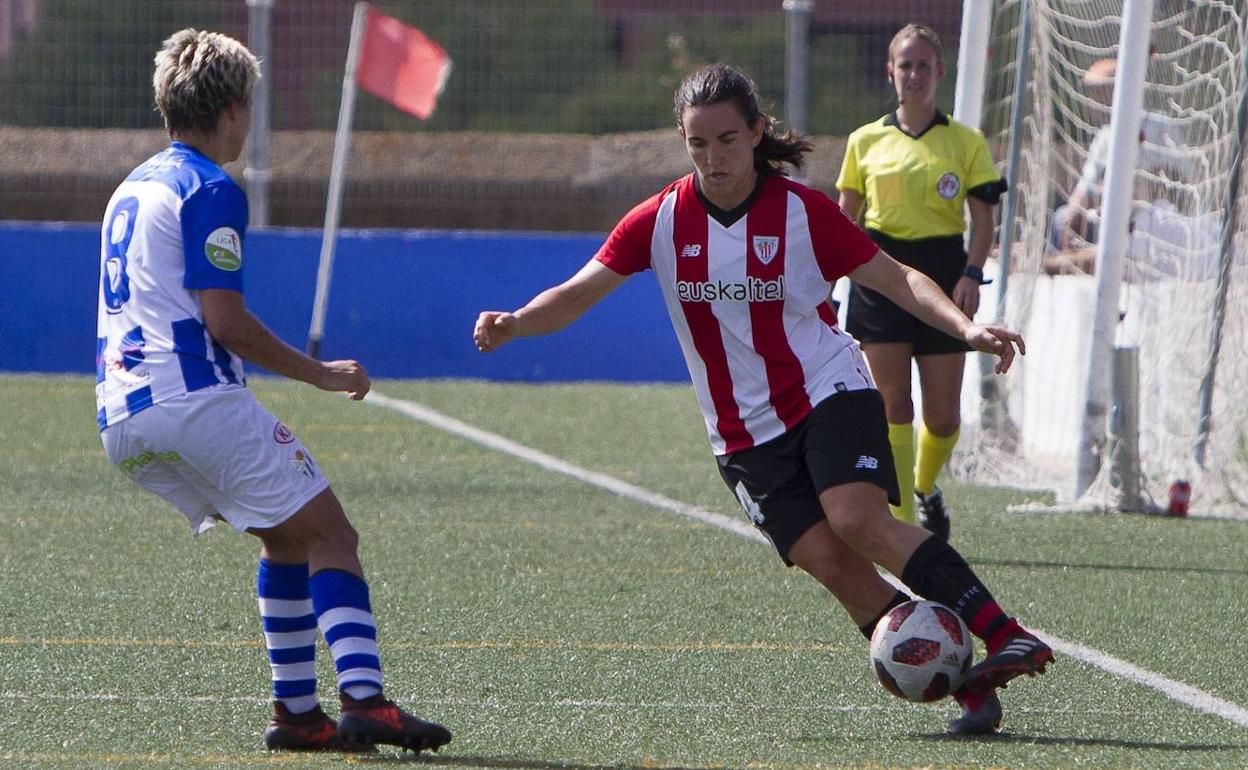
{"x": 921, "y": 651}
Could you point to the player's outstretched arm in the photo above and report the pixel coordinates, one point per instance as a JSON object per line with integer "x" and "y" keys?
{"x": 549, "y": 311}
{"x": 919, "y": 296}
{"x": 230, "y": 323}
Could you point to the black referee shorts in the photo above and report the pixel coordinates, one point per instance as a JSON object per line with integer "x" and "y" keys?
{"x": 872, "y": 317}
{"x": 844, "y": 439}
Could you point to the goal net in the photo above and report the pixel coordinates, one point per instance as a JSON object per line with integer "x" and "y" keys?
{"x": 1184, "y": 296}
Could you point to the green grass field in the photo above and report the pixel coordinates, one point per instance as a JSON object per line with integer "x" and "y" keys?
{"x": 557, "y": 626}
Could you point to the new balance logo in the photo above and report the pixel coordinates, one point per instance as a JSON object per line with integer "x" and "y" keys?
{"x": 865, "y": 461}
{"x": 691, "y": 250}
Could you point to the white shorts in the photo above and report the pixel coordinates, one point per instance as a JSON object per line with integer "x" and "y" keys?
{"x": 217, "y": 453}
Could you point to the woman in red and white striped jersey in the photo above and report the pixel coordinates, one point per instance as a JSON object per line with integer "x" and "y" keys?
{"x": 746, "y": 259}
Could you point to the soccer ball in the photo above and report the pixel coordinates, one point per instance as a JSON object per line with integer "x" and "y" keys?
{"x": 921, "y": 651}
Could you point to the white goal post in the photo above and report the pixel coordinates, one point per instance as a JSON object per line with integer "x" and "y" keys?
{"x": 1112, "y": 251}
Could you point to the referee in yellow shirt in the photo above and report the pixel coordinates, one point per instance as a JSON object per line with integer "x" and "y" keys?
{"x": 912, "y": 170}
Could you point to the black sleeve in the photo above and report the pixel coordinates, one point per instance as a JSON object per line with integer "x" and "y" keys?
{"x": 989, "y": 192}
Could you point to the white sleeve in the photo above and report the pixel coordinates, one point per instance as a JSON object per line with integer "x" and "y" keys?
{"x": 1093, "y": 173}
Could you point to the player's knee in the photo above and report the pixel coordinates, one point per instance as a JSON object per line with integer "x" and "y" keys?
{"x": 323, "y": 525}
{"x": 944, "y": 425}
{"x": 347, "y": 536}
{"x": 897, "y": 406}
{"x": 336, "y": 533}
{"x": 861, "y": 531}
{"x": 899, "y": 410}
{"x": 281, "y": 546}
{"x": 848, "y": 525}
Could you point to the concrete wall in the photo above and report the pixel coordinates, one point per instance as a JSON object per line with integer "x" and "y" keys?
{"x": 461, "y": 180}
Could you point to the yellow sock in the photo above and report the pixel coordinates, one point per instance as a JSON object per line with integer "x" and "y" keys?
{"x": 901, "y": 436}
{"x": 934, "y": 452}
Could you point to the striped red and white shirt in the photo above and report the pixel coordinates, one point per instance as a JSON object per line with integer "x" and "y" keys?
{"x": 749, "y": 301}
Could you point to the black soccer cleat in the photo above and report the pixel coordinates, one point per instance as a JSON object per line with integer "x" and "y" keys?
{"x": 379, "y": 720}
{"x": 981, "y": 713}
{"x": 1021, "y": 654}
{"x": 310, "y": 731}
{"x": 933, "y": 516}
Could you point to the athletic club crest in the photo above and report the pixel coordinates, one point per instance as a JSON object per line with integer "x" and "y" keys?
{"x": 766, "y": 247}
{"x": 948, "y": 185}
{"x": 303, "y": 463}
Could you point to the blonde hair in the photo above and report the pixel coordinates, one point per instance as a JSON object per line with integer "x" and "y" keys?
{"x": 921, "y": 31}
{"x": 198, "y": 76}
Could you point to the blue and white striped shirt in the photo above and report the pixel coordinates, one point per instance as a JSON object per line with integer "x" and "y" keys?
{"x": 175, "y": 226}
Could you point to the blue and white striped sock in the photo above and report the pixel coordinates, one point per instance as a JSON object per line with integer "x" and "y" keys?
{"x": 289, "y": 633}
{"x": 345, "y": 616}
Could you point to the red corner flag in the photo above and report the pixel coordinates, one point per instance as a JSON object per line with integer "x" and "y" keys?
{"x": 399, "y": 64}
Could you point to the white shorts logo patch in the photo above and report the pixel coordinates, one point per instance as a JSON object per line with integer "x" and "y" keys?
{"x": 224, "y": 249}
{"x": 868, "y": 462}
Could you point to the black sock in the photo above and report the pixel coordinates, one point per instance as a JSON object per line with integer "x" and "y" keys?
{"x": 868, "y": 629}
{"x": 939, "y": 573}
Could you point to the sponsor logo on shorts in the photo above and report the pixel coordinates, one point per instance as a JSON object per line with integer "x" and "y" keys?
{"x": 224, "y": 249}
{"x": 304, "y": 464}
{"x": 132, "y": 464}
{"x": 691, "y": 250}
{"x": 282, "y": 434}
{"x": 753, "y": 290}
{"x": 751, "y": 508}
{"x": 868, "y": 462}
{"x": 948, "y": 185}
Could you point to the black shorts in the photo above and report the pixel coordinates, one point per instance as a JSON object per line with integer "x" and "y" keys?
{"x": 844, "y": 439}
{"x": 872, "y": 317}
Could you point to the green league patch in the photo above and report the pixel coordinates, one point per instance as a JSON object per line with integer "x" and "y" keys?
{"x": 224, "y": 249}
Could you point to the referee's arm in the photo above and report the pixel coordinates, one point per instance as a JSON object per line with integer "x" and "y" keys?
{"x": 966, "y": 292}
{"x": 851, "y": 202}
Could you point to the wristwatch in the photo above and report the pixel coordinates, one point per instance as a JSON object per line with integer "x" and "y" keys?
{"x": 976, "y": 274}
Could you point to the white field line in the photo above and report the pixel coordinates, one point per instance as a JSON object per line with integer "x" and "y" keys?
{"x": 609, "y": 483}
{"x": 1183, "y": 693}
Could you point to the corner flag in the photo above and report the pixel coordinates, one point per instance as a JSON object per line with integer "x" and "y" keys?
{"x": 397, "y": 63}
{"x": 400, "y": 64}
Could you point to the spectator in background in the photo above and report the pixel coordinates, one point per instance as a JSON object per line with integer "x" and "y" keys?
{"x": 909, "y": 176}
{"x": 745, "y": 259}
{"x": 1165, "y": 238}
{"x": 1163, "y": 242}
{"x": 176, "y": 417}
{"x": 1076, "y": 222}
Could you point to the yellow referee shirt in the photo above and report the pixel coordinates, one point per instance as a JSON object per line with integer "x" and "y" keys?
{"x": 915, "y": 186}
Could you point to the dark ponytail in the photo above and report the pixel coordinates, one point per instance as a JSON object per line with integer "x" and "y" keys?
{"x": 720, "y": 83}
